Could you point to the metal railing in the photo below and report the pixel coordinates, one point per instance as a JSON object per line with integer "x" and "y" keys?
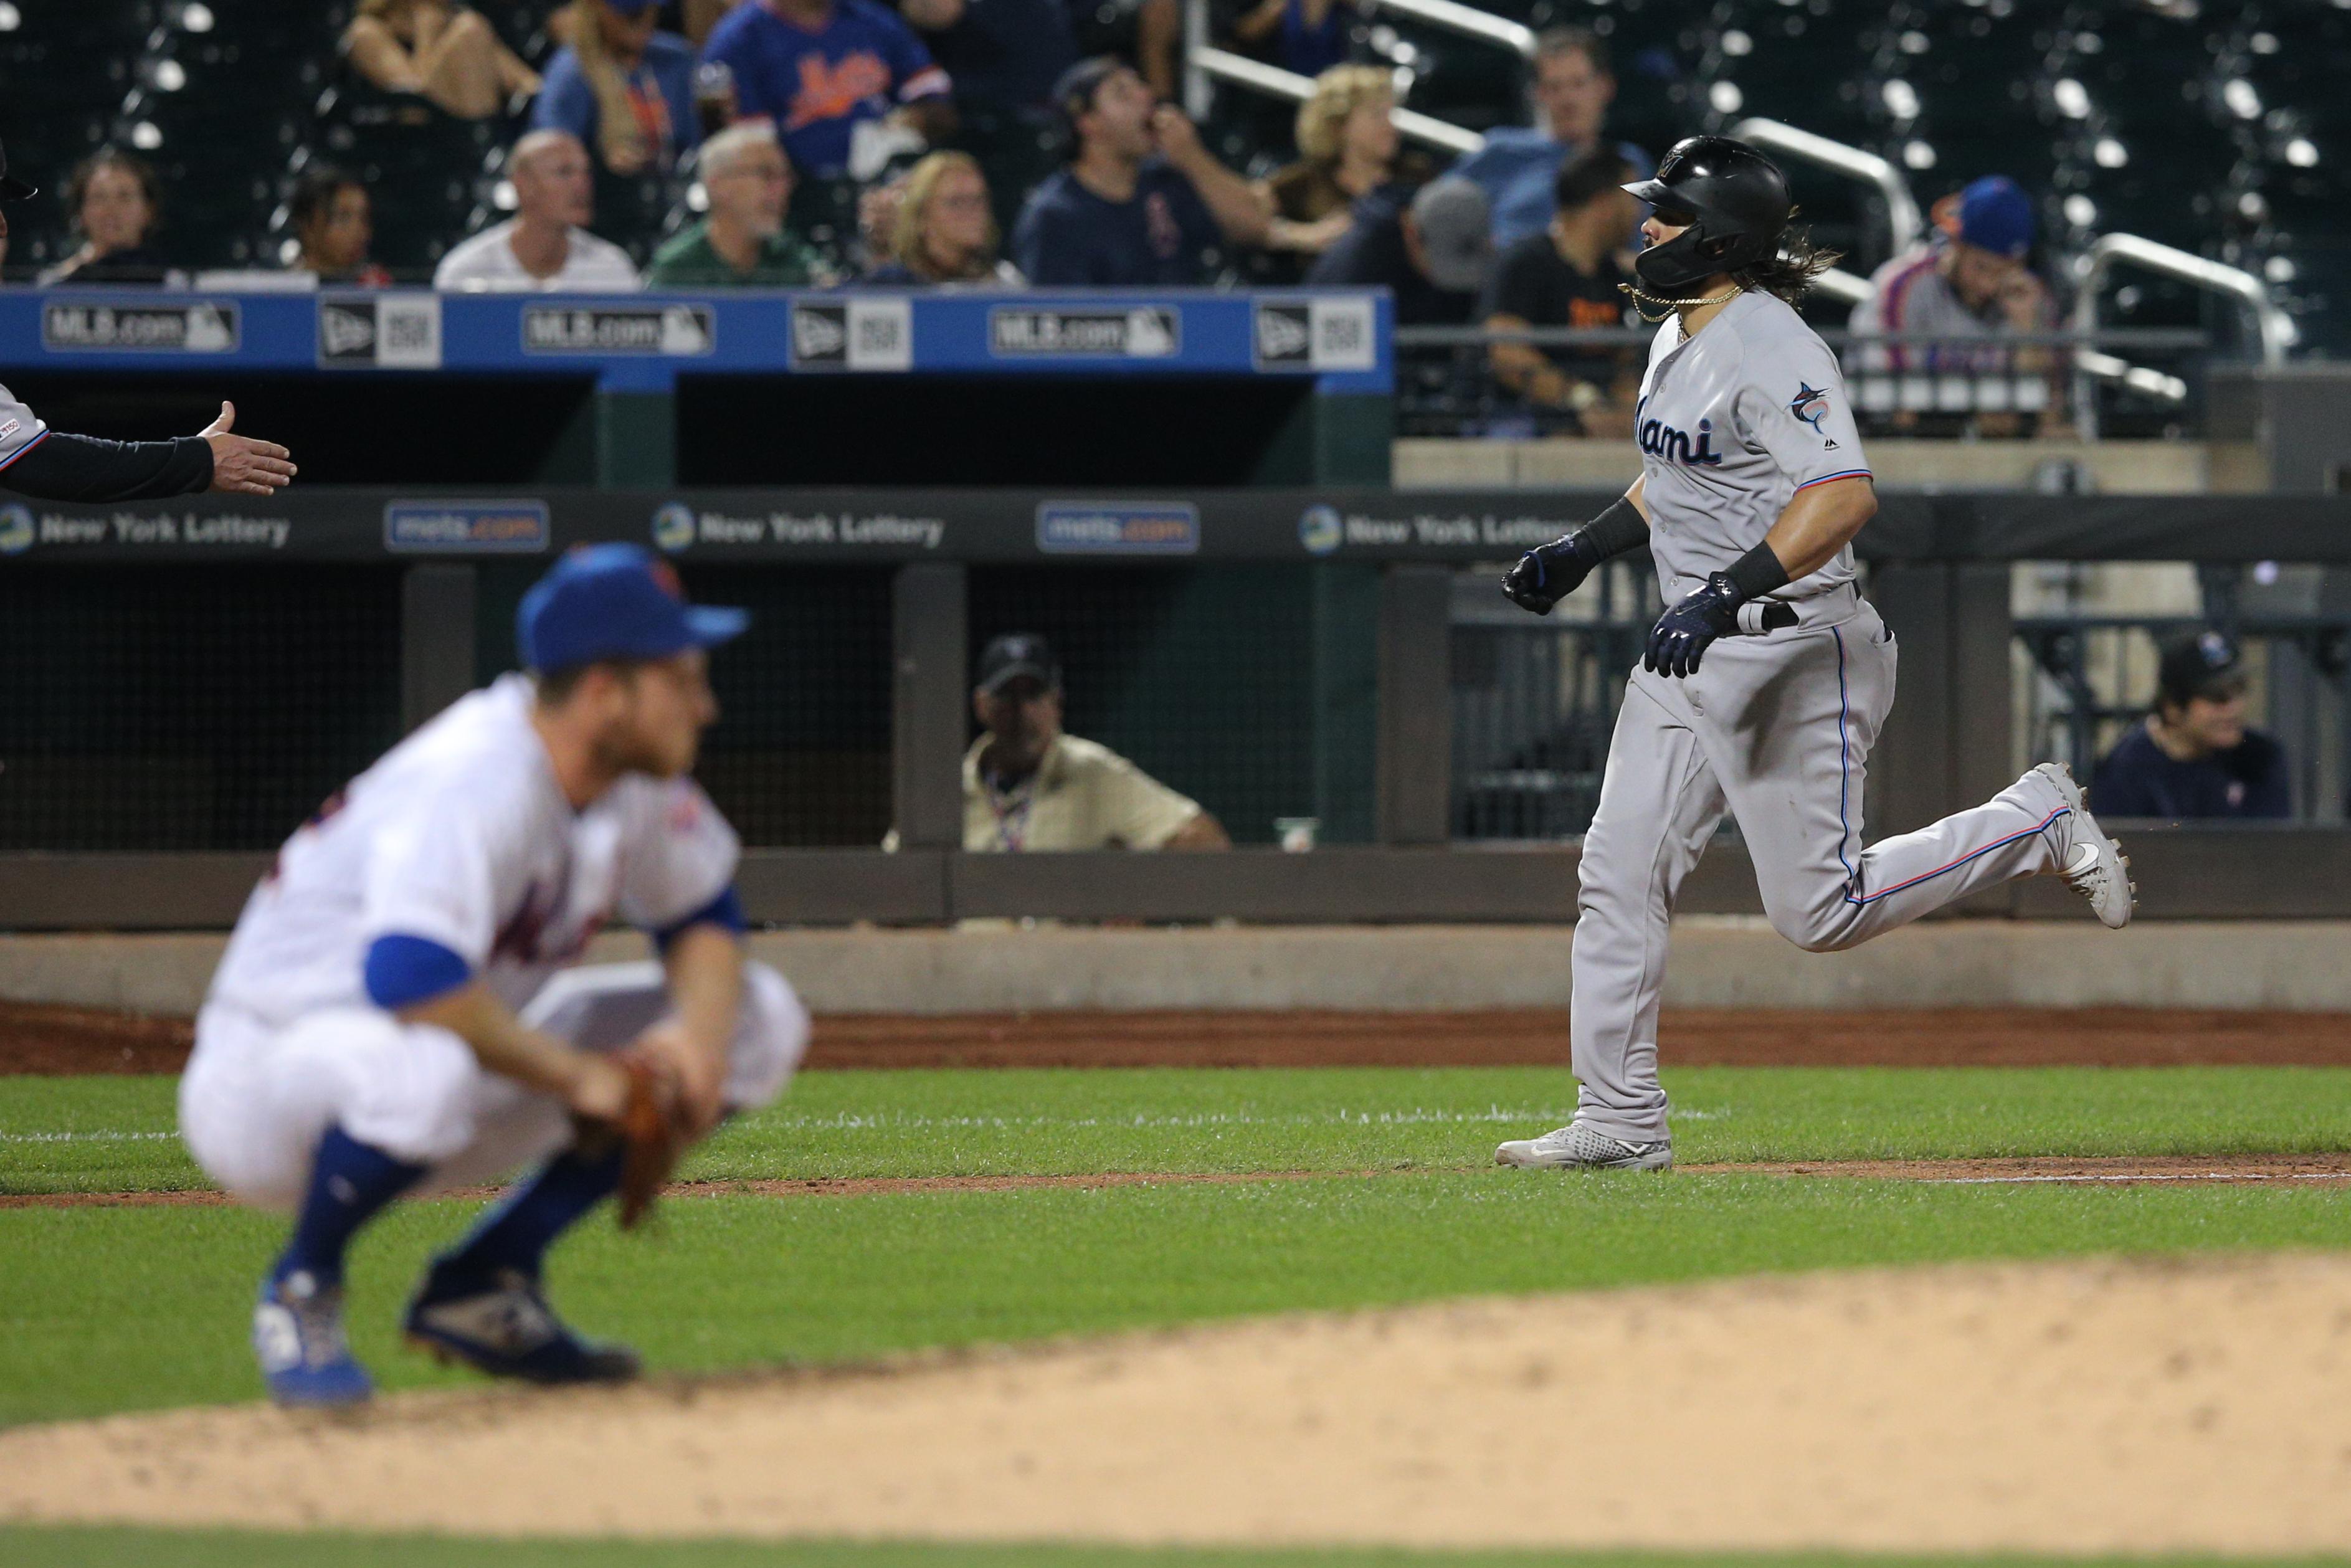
{"x": 1902, "y": 221}
{"x": 2272, "y": 329}
{"x": 1223, "y": 65}
{"x": 1896, "y": 379}
{"x": 1467, "y": 21}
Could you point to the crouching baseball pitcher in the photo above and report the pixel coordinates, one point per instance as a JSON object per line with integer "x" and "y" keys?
{"x": 1766, "y": 678}
{"x": 391, "y": 1018}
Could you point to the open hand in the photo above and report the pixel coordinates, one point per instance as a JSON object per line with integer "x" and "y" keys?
{"x": 242, "y": 465}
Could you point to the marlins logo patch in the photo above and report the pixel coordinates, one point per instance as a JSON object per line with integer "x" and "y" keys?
{"x": 1810, "y": 404}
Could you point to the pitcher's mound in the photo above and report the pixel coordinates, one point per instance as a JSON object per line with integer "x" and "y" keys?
{"x": 2077, "y": 1407}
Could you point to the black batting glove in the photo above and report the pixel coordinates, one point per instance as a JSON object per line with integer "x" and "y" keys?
{"x": 1549, "y": 573}
{"x": 1682, "y": 634}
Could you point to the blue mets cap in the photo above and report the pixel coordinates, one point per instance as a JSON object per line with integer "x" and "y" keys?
{"x": 1995, "y": 214}
{"x": 615, "y": 601}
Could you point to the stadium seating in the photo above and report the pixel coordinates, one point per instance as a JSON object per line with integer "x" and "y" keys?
{"x": 2220, "y": 130}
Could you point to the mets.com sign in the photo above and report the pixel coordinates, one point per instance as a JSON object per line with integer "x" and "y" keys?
{"x": 466, "y": 527}
{"x": 1118, "y": 528}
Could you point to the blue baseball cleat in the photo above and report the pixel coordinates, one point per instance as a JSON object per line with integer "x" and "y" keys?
{"x": 500, "y": 1324}
{"x": 297, "y": 1337}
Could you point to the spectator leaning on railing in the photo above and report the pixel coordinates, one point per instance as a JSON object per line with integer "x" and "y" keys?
{"x": 622, "y": 86}
{"x": 544, "y": 247}
{"x": 1141, "y": 199}
{"x": 1027, "y": 786}
{"x": 1572, "y": 275}
{"x": 944, "y": 233}
{"x": 743, "y": 243}
{"x": 116, "y": 206}
{"x": 1572, "y": 91}
{"x": 1968, "y": 280}
{"x": 447, "y": 54}
{"x": 836, "y": 77}
{"x": 2194, "y": 756}
{"x": 333, "y": 228}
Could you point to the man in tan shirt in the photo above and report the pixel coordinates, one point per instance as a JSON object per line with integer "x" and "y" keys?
{"x": 1028, "y": 786}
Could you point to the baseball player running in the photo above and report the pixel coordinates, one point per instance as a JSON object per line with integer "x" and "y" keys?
{"x": 37, "y": 461}
{"x": 393, "y": 1018}
{"x": 1765, "y": 680}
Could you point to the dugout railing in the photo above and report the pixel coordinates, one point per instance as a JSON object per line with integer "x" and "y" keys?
{"x": 207, "y": 672}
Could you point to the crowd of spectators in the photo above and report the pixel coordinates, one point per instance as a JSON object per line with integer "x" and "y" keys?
{"x": 964, "y": 143}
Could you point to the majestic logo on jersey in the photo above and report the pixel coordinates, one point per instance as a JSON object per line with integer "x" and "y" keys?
{"x": 1810, "y": 404}
{"x": 1659, "y": 439}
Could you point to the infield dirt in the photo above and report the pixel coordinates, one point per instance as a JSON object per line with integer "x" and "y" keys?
{"x": 58, "y": 1040}
{"x": 2082, "y": 1406}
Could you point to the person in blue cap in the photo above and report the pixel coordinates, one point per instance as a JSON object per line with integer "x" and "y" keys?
{"x": 398, "y": 1014}
{"x": 1969, "y": 280}
{"x": 622, "y": 86}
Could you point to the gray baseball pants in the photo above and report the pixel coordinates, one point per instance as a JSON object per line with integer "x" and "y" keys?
{"x": 1776, "y": 729}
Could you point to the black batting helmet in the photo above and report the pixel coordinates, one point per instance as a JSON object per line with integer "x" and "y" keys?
{"x": 12, "y": 190}
{"x": 1737, "y": 204}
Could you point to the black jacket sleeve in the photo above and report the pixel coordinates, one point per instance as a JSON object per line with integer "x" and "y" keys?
{"x": 61, "y": 467}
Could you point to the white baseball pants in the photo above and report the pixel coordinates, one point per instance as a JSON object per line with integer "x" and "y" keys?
{"x": 257, "y": 1099}
{"x": 1776, "y": 729}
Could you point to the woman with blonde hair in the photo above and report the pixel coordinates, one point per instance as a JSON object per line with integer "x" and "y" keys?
{"x": 622, "y": 86}
{"x": 445, "y": 53}
{"x": 943, "y": 231}
{"x": 1348, "y": 148}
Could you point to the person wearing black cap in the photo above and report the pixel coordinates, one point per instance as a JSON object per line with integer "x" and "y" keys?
{"x": 52, "y": 466}
{"x": 1029, "y": 786}
{"x": 1142, "y": 198}
{"x": 2194, "y": 757}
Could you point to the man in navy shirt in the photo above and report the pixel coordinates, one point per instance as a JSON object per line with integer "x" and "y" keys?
{"x": 1141, "y": 199}
{"x": 820, "y": 69}
{"x": 2194, "y": 757}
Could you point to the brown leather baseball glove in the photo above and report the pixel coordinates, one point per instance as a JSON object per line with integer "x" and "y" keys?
{"x": 653, "y": 1133}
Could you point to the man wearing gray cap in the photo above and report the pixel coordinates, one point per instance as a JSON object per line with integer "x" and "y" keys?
{"x": 1431, "y": 246}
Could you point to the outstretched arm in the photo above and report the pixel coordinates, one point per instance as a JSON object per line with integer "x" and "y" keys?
{"x": 61, "y": 467}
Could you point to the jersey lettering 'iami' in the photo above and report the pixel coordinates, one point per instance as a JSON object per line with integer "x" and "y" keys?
{"x": 1659, "y": 439}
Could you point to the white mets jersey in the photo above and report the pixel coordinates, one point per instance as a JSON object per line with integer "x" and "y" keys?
{"x": 20, "y": 431}
{"x": 461, "y": 836}
{"x": 1731, "y": 425}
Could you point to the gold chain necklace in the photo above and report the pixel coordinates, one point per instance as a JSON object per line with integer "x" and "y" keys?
{"x": 1668, "y": 307}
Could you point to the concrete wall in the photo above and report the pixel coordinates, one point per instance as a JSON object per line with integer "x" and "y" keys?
{"x": 2114, "y": 467}
{"x": 1717, "y": 962}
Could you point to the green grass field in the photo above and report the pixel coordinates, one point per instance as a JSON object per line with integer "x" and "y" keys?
{"x": 111, "y": 1309}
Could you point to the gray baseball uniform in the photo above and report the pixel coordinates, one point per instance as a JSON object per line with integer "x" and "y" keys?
{"x": 1776, "y": 728}
{"x": 20, "y": 429}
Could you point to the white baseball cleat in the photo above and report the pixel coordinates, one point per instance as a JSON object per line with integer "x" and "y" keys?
{"x": 1574, "y": 1148}
{"x": 2095, "y": 867}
